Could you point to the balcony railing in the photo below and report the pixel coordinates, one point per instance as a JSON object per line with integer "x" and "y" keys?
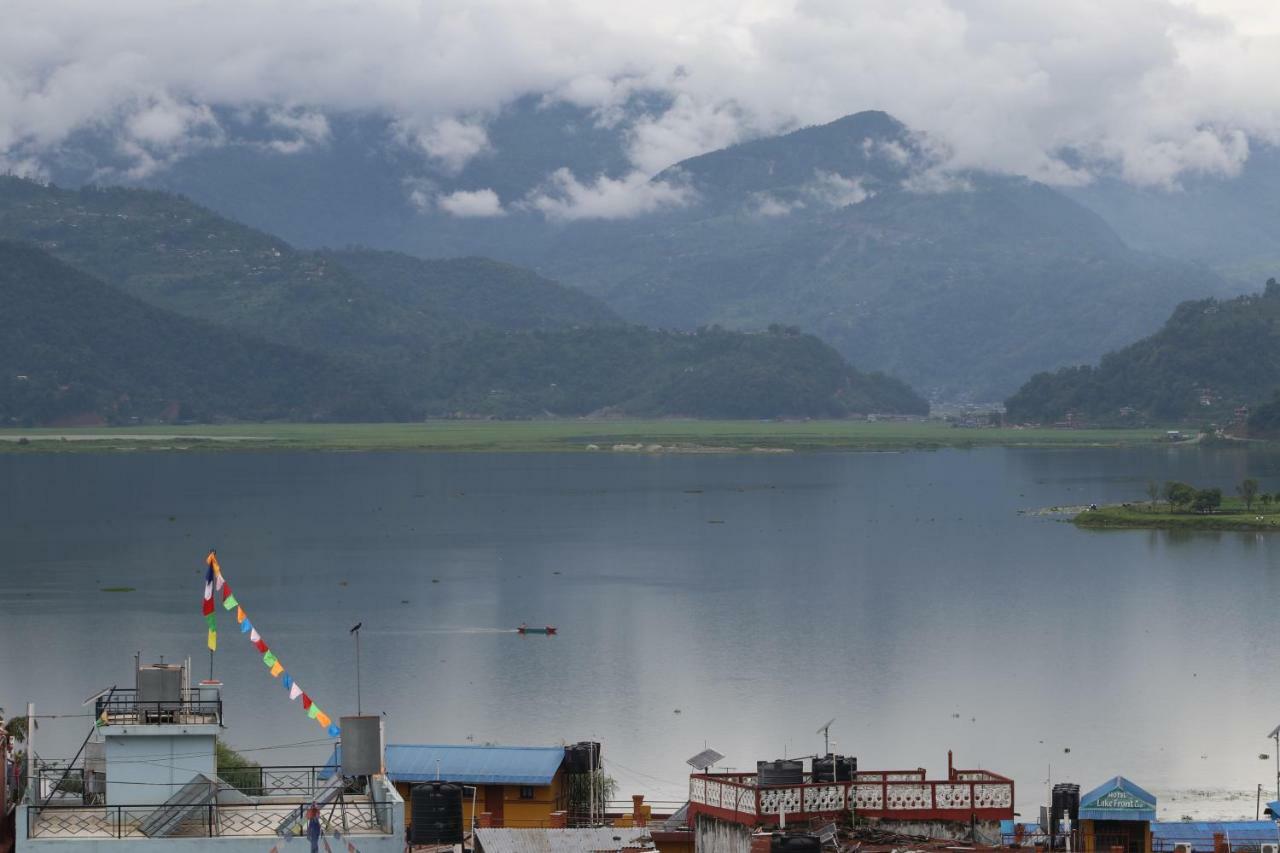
{"x": 360, "y": 816}
{"x": 904, "y": 795}
{"x": 192, "y": 707}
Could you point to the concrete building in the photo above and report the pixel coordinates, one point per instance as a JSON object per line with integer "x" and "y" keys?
{"x": 1117, "y": 814}
{"x": 150, "y": 781}
{"x": 726, "y": 808}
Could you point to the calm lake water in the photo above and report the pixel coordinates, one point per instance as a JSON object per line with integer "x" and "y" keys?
{"x": 736, "y": 602}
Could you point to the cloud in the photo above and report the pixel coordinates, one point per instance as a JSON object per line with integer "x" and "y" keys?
{"x": 450, "y": 141}
{"x": 471, "y": 204}
{"x": 564, "y": 197}
{"x": 836, "y": 190}
{"x": 769, "y": 206}
{"x": 1150, "y": 90}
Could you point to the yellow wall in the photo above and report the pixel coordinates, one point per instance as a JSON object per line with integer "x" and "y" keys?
{"x": 516, "y": 813}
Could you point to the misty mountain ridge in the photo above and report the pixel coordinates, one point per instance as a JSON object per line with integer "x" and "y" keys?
{"x": 272, "y": 332}
{"x": 962, "y": 283}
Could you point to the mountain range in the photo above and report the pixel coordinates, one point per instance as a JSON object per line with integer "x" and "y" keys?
{"x": 962, "y": 284}
{"x": 127, "y": 305}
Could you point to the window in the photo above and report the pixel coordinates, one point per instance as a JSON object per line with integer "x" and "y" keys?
{"x": 526, "y": 792}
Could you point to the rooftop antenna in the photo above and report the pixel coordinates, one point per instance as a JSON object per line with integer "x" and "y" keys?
{"x": 356, "y": 632}
{"x": 825, "y": 731}
{"x": 1275, "y": 733}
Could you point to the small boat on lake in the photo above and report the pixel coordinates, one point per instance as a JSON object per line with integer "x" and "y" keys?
{"x": 545, "y": 629}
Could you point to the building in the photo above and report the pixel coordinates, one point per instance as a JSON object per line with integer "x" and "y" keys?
{"x": 726, "y": 808}
{"x": 510, "y": 786}
{"x": 149, "y": 780}
{"x": 1117, "y": 813}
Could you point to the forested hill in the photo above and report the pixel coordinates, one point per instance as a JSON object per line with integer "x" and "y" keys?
{"x": 1210, "y": 357}
{"x": 75, "y": 350}
{"x": 473, "y": 292}
{"x": 172, "y": 253}
{"x": 637, "y": 371}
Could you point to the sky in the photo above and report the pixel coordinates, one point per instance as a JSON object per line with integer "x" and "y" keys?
{"x": 1148, "y": 90}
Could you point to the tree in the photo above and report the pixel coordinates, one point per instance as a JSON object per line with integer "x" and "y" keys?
{"x": 1178, "y": 494}
{"x": 1207, "y": 500}
{"x": 1264, "y": 499}
{"x": 1153, "y": 491}
{"x": 1249, "y": 491}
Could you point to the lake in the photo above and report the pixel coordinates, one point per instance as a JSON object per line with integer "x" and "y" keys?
{"x": 730, "y": 601}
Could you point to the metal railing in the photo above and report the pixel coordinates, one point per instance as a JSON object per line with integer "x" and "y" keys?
{"x": 899, "y": 794}
{"x": 123, "y": 707}
{"x": 210, "y": 820}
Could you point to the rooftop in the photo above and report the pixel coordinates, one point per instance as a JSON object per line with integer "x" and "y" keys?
{"x": 587, "y": 840}
{"x": 470, "y": 765}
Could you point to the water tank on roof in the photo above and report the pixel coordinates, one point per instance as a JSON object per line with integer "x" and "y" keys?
{"x": 159, "y": 687}
{"x": 799, "y": 843}
{"x": 782, "y": 772}
{"x": 363, "y": 743}
{"x": 1065, "y": 801}
{"x": 436, "y": 812}
{"x": 582, "y": 757}
{"x": 834, "y": 768}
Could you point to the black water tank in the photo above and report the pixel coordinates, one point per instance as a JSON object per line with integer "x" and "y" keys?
{"x": 1066, "y": 801}
{"x": 784, "y": 772}
{"x": 800, "y": 843}
{"x": 582, "y": 757}
{"x": 834, "y": 768}
{"x": 436, "y": 808}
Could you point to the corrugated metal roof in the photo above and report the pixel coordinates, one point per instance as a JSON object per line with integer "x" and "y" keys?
{"x": 471, "y": 765}
{"x": 1200, "y": 833}
{"x": 559, "y": 840}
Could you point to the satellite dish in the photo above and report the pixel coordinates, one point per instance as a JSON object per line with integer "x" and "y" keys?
{"x": 705, "y": 760}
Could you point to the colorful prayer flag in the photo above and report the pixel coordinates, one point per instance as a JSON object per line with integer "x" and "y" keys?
{"x": 102, "y": 719}
{"x": 334, "y": 731}
{"x": 313, "y": 711}
{"x": 306, "y": 702}
{"x": 269, "y": 658}
{"x": 213, "y": 641}
{"x": 323, "y": 719}
{"x": 276, "y": 669}
{"x": 208, "y": 590}
{"x": 230, "y": 602}
{"x": 295, "y": 691}
{"x": 254, "y": 636}
{"x": 207, "y": 608}
{"x": 240, "y": 614}
{"x": 261, "y": 645}
{"x": 212, "y": 621}
{"x": 246, "y": 626}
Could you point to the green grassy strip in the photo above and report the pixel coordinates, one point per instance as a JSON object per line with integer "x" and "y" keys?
{"x": 1232, "y": 516}
{"x": 559, "y": 435}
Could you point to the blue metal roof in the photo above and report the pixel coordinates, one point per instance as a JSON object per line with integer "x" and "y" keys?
{"x": 1200, "y": 833}
{"x": 471, "y": 765}
{"x": 1118, "y": 799}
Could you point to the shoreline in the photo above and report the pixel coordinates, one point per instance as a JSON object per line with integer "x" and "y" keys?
{"x": 1134, "y": 517}
{"x": 672, "y": 436}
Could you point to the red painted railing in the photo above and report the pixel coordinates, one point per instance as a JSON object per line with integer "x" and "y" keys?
{"x": 897, "y": 794}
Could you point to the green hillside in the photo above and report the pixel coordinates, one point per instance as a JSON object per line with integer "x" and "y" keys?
{"x": 74, "y": 349}
{"x": 632, "y": 370}
{"x": 472, "y": 292}
{"x": 1211, "y": 357}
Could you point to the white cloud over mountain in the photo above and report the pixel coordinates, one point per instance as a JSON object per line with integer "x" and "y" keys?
{"x": 1147, "y": 89}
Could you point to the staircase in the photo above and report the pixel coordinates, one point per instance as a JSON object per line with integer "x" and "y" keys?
{"x": 331, "y": 791}
{"x": 192, "y": 798}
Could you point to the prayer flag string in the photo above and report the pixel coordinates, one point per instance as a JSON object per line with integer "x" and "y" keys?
{"x": 214, "y": 580}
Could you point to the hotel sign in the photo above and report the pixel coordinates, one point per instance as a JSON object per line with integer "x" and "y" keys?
{"x": 1119, "y": 800}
